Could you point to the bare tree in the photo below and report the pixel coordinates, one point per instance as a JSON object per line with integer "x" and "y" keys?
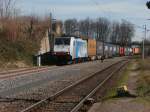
{"x": 70, "y": 26}
{"x": 126, "y": 33}
{"x": 85, "y": 27}
{"x": 103, "y": 29}
{"x": 7, "y": 8}
{"x": 115, "y": 32}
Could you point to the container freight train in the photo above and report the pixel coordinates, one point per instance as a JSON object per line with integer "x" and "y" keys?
{"x": 69, "y": 50}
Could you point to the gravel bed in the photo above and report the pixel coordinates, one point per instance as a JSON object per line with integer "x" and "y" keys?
{"x": 36, "y": 86}
{"x": 43, "y": 91}
{"x": 15, "y": 106}
{"x": 40, "y": 85}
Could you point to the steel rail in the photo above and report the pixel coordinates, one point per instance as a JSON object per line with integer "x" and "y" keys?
{"x": 80, "y": 104}
{"x": 52, "y": 97}
{"x": 20, "y": 70}
{"x": 23, "y": 72}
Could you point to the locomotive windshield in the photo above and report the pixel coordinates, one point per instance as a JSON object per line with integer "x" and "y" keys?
{"x": 62, "y": 41}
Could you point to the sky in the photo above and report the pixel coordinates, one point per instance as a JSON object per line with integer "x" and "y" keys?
{"x": 134, "y": 11}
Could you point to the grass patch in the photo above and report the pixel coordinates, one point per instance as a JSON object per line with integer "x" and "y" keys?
{"x": 143, "y": 88}
{"x": 125, "y": 75}
{"x": 121, "y": 80}
{"x": 143, "y": 82}
{"x": 143, "y": 100}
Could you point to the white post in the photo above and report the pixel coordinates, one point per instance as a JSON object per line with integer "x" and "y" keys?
{"x": 39, "y": 60}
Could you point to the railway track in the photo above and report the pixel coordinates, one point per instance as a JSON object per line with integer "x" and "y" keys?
{"x": 23, "y": 71}
{"x": 72, "y": 98}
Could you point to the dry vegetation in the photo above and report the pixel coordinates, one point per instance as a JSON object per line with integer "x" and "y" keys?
{"x": 19, "y": 36}
{"x": 144, "y": 78}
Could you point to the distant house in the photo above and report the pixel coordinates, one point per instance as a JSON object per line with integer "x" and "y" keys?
{"x": 58, "y": 28}
{"x": 45, "y": 45}
{"x": 46, "y": 42}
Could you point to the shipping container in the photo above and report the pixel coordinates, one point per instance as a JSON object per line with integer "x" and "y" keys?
{"x": 136, "y": 50}
{"x": 106, "y": 50}
{"x": 128, "y": 51}
{"x": 115, "y": 50}
{"x": 92, "y": 49}
{"x": 99, "y": 49}
{"x": 110, "y": 50}
{"x": 122, "y": 51}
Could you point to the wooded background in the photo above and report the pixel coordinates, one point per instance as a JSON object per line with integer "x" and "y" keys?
{"x": 20, "y": 36}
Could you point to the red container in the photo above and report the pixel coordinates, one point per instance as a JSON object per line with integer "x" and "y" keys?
{"x": 136, "y": 50}
{"x": 122, "y": 51}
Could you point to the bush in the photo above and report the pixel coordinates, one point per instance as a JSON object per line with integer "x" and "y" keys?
{"x": 20, "y": 38}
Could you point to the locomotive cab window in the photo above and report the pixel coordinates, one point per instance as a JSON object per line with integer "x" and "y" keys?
{"x": 62, "y": 41}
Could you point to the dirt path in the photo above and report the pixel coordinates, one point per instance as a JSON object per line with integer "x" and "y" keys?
{"x": 133, "y": 78}
{"x": 125, "y": 104}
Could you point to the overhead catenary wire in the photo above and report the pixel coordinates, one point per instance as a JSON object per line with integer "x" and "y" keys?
{"x": 96, "y": 3}
{"x": 140, "y": 27}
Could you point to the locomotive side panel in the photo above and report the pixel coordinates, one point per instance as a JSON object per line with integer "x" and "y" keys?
{"x": 62, "y": 50}
{"x": 78, "y": 49}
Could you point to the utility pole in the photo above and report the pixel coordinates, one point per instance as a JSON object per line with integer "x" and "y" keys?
{"x": 51, "y": 33}
{"x": 145, "y": 34}
{"x": 103, "y": 46}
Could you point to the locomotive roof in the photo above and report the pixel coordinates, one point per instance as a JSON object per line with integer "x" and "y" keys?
{"x": 67, "y": 37}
